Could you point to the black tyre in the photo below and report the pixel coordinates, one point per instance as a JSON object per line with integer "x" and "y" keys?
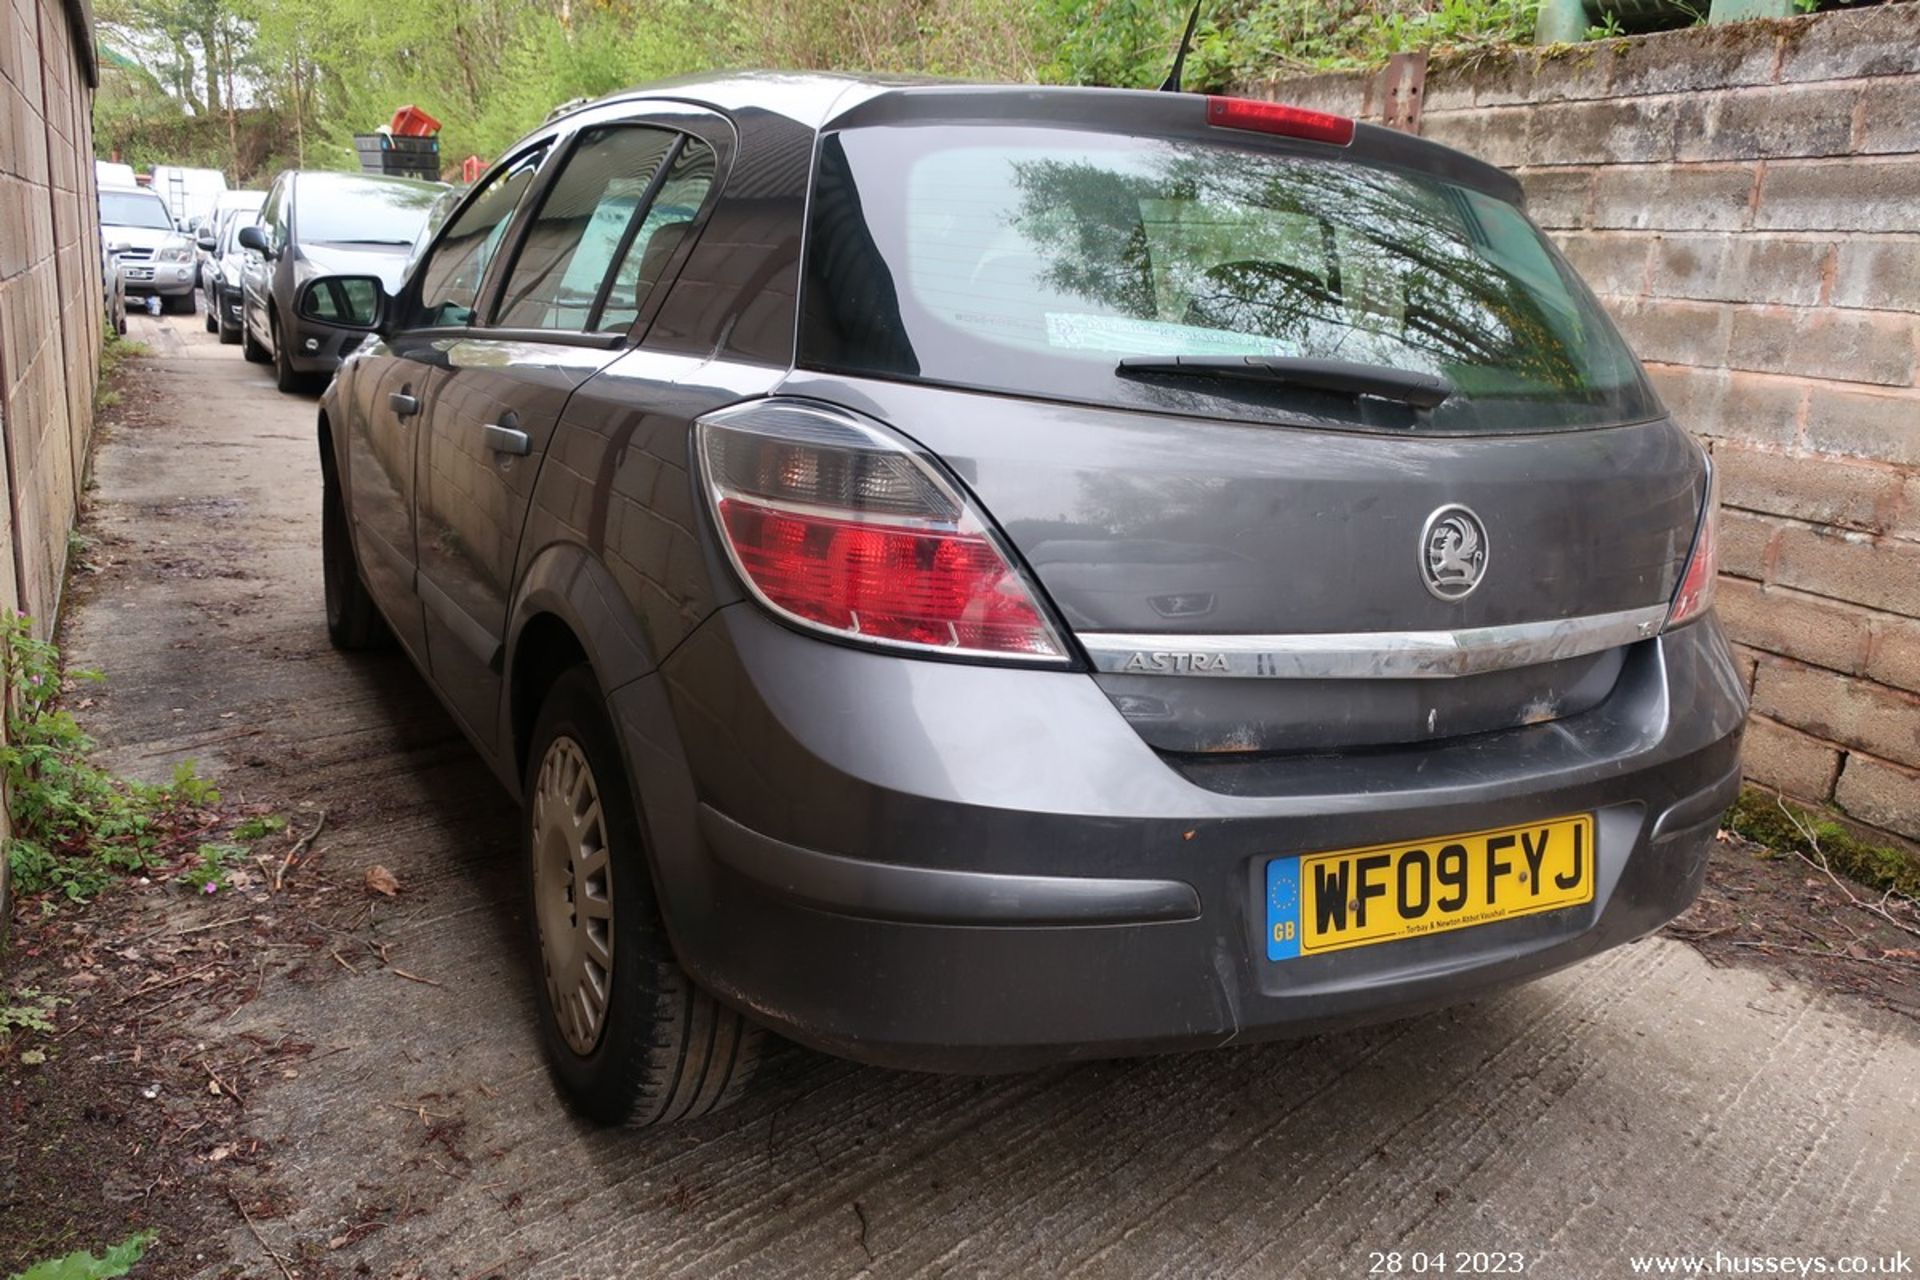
{"x": 285, "y": 376}
{"x": 252, "y": 350}
{"x": 353, "y": 620}
{"x": 629, "y": 1037}
{"x": 213, "y": 321}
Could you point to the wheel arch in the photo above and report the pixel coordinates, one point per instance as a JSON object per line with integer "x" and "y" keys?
{"x": 569, "y": 609}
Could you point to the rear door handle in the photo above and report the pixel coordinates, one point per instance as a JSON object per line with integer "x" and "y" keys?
{"x": 508, "y": 440}
{"x": 402, "y": 404}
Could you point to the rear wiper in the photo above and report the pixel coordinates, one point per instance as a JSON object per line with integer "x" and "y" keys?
{"x": 1344, "y": 377}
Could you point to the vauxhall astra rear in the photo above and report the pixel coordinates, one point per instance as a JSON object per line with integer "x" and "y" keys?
{"x": 1068, "y": 572}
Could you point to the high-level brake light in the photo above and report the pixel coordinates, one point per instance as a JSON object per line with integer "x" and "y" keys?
{"x": 1278, "y": 117}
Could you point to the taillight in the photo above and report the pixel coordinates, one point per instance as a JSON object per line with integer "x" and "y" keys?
{"x": 1278, "y": 117}
{"x": 840, "y": 526}
{"x": 1695, "y": 595}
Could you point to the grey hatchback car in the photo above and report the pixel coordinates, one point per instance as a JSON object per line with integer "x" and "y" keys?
{"x": 970, "y": 577}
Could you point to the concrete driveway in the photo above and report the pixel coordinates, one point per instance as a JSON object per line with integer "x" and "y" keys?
{"x": 1643, "y": 1103}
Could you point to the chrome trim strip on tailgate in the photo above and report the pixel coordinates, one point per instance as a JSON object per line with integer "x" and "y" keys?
{"x": 1376, "y": 655}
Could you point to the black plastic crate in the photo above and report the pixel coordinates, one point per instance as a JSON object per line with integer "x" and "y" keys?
{"x": 403, "y": 157}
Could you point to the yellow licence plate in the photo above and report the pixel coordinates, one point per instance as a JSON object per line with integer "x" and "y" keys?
{"x": 1319, "y": 902}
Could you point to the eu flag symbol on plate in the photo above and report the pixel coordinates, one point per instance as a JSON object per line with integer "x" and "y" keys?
{"x": 1283, "y": 909}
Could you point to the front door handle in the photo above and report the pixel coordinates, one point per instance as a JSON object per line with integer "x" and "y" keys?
{"x": 508, "y": 440}
{"x": 403, "y": 404}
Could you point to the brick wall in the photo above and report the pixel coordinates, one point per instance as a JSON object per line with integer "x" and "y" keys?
{"x": 50, "y": 300}
{"x": 1746, "y": 201}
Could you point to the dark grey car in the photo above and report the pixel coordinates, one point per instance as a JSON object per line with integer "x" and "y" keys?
{"x": 318, "y": 223}
{"x": 972, "y": 577}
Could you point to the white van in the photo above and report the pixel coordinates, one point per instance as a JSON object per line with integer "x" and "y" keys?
{"x": 111, "y": 173}
{"x": 190, "y": 193}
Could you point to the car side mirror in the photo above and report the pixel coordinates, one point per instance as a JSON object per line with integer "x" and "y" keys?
{"x": 252, "y": 237}
{"x": 205, "y": 242}
{"x": 345, "y": 302}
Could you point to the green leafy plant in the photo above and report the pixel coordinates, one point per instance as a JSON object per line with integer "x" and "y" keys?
{"x": 260, "y": 827}
{"x": 75, "y": 826}
{"x": 27, "y": 1010}
{"x": 118, "y": 1261}
{"x": 208, "y": 874}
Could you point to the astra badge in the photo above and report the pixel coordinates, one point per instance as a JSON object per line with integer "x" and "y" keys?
{"x": 1167, "y": 664}
{"x": 1453, "y": 553}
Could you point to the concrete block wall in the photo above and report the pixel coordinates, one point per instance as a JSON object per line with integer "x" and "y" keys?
{"x": 50, "y": 291}
{"x": 51, "y": 318}
{"x": 1745, "y": 199}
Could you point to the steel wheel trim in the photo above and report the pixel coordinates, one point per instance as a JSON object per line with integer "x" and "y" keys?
{"x": 573, "y": 894}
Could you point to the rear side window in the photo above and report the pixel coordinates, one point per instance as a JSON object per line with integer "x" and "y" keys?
{"x": 605, "y": 229}
{"x": 581, "y": 227}
{"x": 667, "y": 223}
{"x": 1032, "y": 260}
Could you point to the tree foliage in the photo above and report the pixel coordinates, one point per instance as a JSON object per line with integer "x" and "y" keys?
{"x": 323, "y": 70}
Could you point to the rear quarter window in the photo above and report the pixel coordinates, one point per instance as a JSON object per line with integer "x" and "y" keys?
{"x": 1030, "y": 260}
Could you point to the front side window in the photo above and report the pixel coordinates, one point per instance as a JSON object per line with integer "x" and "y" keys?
{"x": 584, "y": 222}
{"x": 456, "y": 267}
{"x": 1033, "y": 260}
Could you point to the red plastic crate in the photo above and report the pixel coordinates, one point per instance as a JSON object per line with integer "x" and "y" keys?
{"x": 411, "y": 122}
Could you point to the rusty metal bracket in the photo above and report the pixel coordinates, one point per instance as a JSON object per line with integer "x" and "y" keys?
{"x": 1402, "y": 87}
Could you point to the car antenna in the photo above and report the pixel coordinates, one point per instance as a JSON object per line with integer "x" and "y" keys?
{"x": 1172, "y": 83}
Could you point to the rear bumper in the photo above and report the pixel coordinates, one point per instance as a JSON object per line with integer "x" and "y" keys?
{"x": 952, "y": 867}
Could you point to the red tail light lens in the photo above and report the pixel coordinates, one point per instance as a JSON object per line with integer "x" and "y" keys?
{"x": 838, "y": 525}
{"x": 1278, "y": 117}
{"x": 1695, "y": 595}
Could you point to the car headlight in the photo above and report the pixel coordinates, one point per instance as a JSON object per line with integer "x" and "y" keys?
{"x": 174, "y": 253}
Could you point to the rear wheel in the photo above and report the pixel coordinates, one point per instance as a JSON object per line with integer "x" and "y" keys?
{"x": 629, "y": 1037}
{"x": 213, "y": 320}
{"x": 353, "y": 620}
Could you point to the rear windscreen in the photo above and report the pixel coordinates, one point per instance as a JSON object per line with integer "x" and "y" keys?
{"x": 1031, "y": 260}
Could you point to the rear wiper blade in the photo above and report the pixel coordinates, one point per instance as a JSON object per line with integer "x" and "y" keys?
{"x": 1344, "y": 377}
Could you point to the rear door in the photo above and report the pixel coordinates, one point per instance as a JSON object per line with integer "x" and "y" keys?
{"x": 584, "y": 263}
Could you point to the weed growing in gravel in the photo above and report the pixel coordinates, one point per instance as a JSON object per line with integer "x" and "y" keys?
{"x": 84, "y": 1266}
{"x": 27, "y": 1010}
{"x": 260, "y": 827}
{"x": 75, "y": 827}
{"x": 1781, "y": 825}
{"x": 208, "y": 874}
